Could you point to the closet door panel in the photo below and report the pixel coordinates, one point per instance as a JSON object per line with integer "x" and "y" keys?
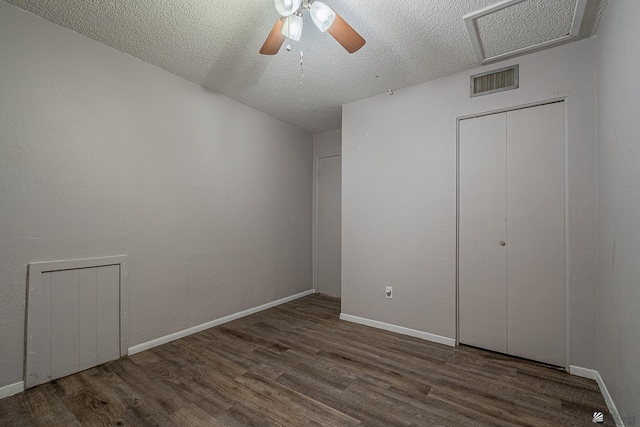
{"x": 482, "y": 209}
{"x": 536, "y": 233}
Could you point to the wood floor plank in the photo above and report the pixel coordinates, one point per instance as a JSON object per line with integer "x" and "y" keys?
{"x": 13, "y": 414}
{"x": 194, "y": 416}
{"x": 44, "y": 409}
{"x": 242, "y": 417}
{"x": 434, "y": 411}
{"x": 90, "y": 407}
{"x": 311, "y": 409}
{"x": 297, "y": 364}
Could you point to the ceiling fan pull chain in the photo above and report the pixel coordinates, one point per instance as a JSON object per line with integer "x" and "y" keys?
{"x": 301, "y": 67}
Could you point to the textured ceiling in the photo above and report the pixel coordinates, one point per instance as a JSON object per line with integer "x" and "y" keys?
{"x": 215, "y": 43}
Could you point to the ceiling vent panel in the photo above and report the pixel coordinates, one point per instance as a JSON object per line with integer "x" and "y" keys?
{"x": 495, "y": 81}
{"x": 514, "y": 27}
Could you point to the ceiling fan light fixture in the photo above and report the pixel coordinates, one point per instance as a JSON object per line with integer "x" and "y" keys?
{"x": 287, "y": 7}
{"x": 322, "y": 15}
{"x": 289, "y": 25}
{"x": 292, "y": 27}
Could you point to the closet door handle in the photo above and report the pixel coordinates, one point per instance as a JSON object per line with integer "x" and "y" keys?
{"x": 502, "y": 243}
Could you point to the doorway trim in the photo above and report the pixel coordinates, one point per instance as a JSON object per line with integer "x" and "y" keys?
{"x": 314, "y": 237}
{"x": 566, "y": 213}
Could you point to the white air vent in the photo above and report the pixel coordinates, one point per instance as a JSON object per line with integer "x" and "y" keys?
{"x": 495, "y": 81}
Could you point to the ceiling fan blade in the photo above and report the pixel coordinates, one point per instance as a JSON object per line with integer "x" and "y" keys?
{"x": 346, "y": 35}
{"x": 274, "y": 40}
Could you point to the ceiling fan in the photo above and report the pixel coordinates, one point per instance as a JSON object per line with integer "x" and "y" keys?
{"x": 289, "y": 25}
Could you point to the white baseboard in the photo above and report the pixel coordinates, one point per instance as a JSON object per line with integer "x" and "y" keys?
{"x": 11, "y": 389}
{"x": 181, "y": 334}
{"x": 399, "y": 329}
{"x": 578, "y": 371}
{"x": 592, "y": 374}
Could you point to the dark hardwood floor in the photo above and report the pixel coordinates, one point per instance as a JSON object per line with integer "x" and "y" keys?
{"x": 299, "y": 365}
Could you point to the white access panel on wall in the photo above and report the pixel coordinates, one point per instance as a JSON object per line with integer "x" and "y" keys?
{"x": 511, "y": 254}
{"x": 76, "y": 313}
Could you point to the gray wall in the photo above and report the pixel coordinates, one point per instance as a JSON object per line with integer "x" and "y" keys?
{"x": 399, "y": 194}
{"x": 619, "y": 205}
{"x": 324, "y": 144}
{"x": 102, "y": 154}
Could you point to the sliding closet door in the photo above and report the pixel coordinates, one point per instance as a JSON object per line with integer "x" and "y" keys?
{"x": 482, "y": 231}
{"x": 536, "y": 233}
{"x": 511, "y": 254}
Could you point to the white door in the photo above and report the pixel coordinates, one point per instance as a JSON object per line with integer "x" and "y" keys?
{"x": 535, "y": 233}
{"x": 482, "y": 225}
{"x": 511, "y": 233}
{"x": 329, "y": 225}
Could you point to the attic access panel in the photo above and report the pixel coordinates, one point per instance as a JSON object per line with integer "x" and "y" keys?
{"x": 514, "y": 27}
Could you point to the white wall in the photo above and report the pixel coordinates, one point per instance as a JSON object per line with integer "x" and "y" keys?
{"x": 103, "y": 154}
{"x": 327, "y": 143}
{"x": 324, "y": 144}
{"x": 399, "y": 194}
{"x": 619, "y": 206}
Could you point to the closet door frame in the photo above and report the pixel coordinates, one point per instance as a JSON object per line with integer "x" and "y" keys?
{"x": 566, "y": 213}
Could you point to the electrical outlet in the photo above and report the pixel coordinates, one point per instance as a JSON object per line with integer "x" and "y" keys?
{"x": 389, "y": 291}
